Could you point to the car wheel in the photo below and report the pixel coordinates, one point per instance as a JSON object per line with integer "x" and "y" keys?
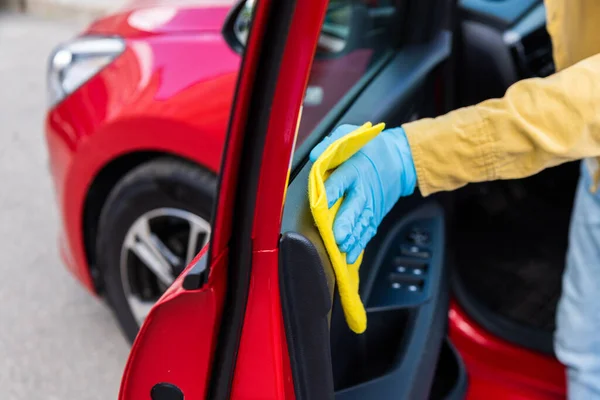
{"x": 154, "y": 222}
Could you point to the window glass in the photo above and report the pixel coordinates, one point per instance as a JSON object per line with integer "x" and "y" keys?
{"x": 355, "y": 38}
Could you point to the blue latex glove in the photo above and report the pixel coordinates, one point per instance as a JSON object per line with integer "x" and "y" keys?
{"x": 372, "y": 181}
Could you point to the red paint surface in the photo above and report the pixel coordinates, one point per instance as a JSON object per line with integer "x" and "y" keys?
{"x": 262, "y": 369}
{"x": 142, "y": 102}
{"x": 178, "y": 338}
{"x": 155, "y": 17}
{"x": 170, "y": 92}
{"x": 499, "y": 370}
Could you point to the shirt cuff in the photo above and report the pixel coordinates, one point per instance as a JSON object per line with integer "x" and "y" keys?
{"x": 451, "y": 150}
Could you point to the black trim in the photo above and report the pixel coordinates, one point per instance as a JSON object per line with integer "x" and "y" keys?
{"x": 451, "y": 380}
{"x": 401, "y": 344}
{"x": 195, "y": 276}
{"x": 305, "y": 305}
{"x": 499, "y": 326}
{"x": 166, "y": 391}
{"x": 461, "y": 386}
{"x": 272, "y": 49}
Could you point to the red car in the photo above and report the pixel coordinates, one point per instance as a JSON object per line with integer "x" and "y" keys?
{"x": 460, "y": 290}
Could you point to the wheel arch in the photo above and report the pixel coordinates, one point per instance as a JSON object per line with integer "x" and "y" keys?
{"x": 99, "y": 190}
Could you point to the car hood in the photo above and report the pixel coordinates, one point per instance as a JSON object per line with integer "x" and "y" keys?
{"x": 143, "y": 17}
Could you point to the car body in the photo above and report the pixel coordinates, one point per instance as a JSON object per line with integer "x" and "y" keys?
{"x": 147, "y": 104}
{"x": 126, "y": 116}
{"x": 118, "y": 119}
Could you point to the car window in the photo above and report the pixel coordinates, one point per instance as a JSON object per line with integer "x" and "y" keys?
{"x": 356, "y": 38}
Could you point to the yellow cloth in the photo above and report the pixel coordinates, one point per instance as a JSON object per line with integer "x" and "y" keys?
{"x": 346, "y": 275}
{"x": 539, "y": 123}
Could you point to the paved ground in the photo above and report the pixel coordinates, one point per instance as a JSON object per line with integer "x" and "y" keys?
{"x": 56, "y": 342}
{"x": 80, "y": 10}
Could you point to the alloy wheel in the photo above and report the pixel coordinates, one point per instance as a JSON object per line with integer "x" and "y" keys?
{"x": 156, "y": 249}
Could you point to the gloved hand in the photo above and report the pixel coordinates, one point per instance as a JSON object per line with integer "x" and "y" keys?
{"x": 372, "y": 180}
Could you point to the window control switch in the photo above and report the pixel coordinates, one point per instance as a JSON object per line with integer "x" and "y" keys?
{"x": 414, "y": 251}
{"x": 418, "y": 236}
{"x": 403, "y": 266}
{"x": 406, "y": 282}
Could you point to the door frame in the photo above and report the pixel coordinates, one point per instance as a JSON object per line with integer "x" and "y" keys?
{"x": 251, "y": 357}
{"x": 210, "y": 304}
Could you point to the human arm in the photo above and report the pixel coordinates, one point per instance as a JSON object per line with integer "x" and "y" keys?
{"x": 539, "y": 123}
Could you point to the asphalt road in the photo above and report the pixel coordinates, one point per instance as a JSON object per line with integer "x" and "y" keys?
{"x": 56, "y": 341}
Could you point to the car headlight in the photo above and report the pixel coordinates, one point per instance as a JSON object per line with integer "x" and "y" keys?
{"x": 74, "y": 63}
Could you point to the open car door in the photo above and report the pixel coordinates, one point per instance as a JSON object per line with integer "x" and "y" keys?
{"x": 404, "y": 285}
{"x": 256, "y": 315}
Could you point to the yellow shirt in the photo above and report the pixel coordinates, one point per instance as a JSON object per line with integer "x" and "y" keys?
{"x": 539, "y": 123}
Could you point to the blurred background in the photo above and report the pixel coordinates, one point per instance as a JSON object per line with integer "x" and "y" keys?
{"x": 56, "y": 341}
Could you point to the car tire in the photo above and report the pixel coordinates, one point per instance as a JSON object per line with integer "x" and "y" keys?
{"x": 160, "y": 184}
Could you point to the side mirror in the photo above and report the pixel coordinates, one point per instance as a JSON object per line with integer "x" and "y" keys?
{"x": 241, "y": 20}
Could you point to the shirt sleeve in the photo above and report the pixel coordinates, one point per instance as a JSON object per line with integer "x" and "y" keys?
{"x": 539, "y": 123}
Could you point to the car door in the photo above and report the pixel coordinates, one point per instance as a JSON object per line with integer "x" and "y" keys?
{"x": 292, "y": 339}
{"x": 256, "y": 314}
{"x": 403, "y": 276}
{"x": 187, "y": 346}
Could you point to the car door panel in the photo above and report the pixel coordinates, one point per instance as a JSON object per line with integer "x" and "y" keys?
{"x": 395, "y": 328}
{"x": 405, "y": 329}
{"x": 396, "y": 356}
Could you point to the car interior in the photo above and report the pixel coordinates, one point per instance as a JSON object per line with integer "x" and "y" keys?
{"x": 498, "y": 248}
{"x": 509, "y": 238}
